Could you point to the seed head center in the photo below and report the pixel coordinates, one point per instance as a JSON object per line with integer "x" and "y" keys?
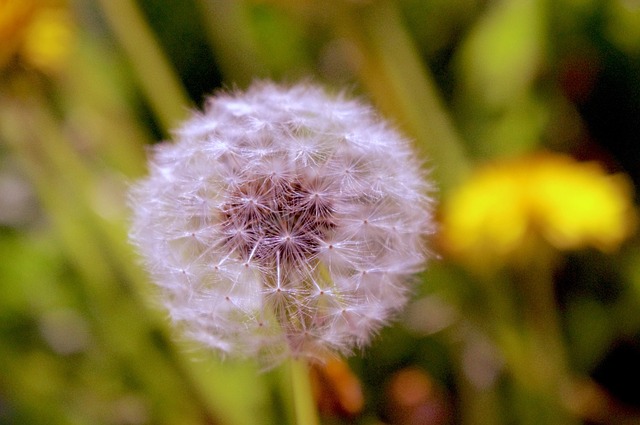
{"x": 275, "y": 220}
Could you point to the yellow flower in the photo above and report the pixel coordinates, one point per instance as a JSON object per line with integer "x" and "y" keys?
{"x": 507, "y": 206}
{"x": 48, "y": 38}
{"x": 40, "y": 33}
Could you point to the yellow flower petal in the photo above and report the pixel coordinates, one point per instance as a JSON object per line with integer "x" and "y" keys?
{"x": 486, "y": 218}
{"x": 578, "y": 205}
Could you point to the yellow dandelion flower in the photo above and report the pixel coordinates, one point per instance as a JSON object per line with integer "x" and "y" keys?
{"x": 48, "y": 39}
{"x": 39, "y": 33}
{"x": 504, "y": 207}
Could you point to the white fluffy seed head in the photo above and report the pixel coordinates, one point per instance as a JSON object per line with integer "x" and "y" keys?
{"x": 283, "y": 221}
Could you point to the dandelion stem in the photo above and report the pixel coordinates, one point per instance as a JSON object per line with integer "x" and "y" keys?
{"x": 304, "y": 404}
{"x": 547, "y": 353}
{"x": 529, "y": 332}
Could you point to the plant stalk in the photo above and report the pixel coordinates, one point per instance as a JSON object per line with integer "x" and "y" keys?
{"x": 304, "y": 404}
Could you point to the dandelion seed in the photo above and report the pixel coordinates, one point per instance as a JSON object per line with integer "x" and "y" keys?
{"x": 296, "y": 217}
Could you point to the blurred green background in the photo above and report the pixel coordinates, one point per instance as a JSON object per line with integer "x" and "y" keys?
{"x": 527, "y": 113}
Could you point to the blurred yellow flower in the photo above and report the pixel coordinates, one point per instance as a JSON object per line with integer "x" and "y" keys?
{"x": 506, "y": 206}
{"x": 48, "y": 38}
{"x": 40, "y": 33}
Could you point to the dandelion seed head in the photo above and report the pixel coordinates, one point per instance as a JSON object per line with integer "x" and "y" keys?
{"x": 283, "y": 221}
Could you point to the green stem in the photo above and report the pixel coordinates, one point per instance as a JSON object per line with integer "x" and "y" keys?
{"x": 525, "y": 321}
{"x": 160, "y": 84}
{"x": 547, "y": 350}
{"x": 479, "y": 406}
{"x": 303, "y": 401}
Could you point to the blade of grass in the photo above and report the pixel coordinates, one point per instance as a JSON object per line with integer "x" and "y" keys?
{"x": 230, "y": 36}
{"x": 156, "y": 76}
{"x": 393, "y": 73}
